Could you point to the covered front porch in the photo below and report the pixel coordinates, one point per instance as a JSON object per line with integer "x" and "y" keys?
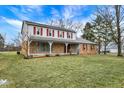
{"x": 51, "y": 48}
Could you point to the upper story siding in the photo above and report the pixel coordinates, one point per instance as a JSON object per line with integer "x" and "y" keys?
{"x": 34, "y": 30}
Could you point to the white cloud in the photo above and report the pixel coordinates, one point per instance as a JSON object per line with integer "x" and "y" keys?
{"x": 72, "y": 11}
{"x": 31, "y": 8}
{"x": 83, "y": 21}
{"x": 55, "y": 13}
{"x": 26, "y": 12}
{"x": 68, "y": 12}
{"x": 20, "y": 13}
{"x": 15, "y": 23}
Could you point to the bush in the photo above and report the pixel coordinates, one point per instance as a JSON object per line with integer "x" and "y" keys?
{"x": 28, "y": 57}
{"x": 47, "y": 55}
{"x": 57, "y": 55}
{"x": 18, "y": 52}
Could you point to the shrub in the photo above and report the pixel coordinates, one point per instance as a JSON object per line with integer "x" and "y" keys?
{"x": 18, "y": 52}
{"x": 47, "y": 55}
{"x": 57, "y": 55}
{"x": 28, "y": 57}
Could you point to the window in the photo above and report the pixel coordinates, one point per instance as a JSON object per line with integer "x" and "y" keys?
{"x": 49, "y": 32}
{"x": 53, "y": 33}
{"x": 35, "y": 47}
{"x": 38, "y": 31}
{"x": 83, "y": 46}
{"x": 68, "y": 35}
{"x": 43, "y": 47}
{"x": 61, "y": 34}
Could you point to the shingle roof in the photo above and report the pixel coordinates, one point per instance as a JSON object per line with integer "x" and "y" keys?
{"x": 85, "y": 41}
{"x": 48, "y": 26}
{"x": 77, "y": 41}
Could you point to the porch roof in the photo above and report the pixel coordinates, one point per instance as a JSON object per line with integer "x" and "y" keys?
{"x": 77, "y": 41}
{"x": 85, "y": 41}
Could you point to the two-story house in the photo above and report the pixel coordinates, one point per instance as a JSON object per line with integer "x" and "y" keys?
{"x": 41, "y": 40}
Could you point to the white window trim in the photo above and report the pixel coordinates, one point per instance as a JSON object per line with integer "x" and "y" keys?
{"x": 50, "y": 30}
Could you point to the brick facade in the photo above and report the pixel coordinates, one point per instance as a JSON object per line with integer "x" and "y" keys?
{"x": 58, "y": 48}
{"x": 84, "y": 49}
{"x": 87, "y": 49}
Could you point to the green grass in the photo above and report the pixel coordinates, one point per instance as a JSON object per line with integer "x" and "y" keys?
{"x": 62, "y": 71}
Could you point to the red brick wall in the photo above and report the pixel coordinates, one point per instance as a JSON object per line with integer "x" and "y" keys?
{"x": 87, "y": 49}
{"x": 58, "y": 48}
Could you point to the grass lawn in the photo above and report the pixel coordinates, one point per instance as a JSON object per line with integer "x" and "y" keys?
{"x": 62, "y": 71}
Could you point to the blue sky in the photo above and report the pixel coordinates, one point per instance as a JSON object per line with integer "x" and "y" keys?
{"x": 11, "y": 16}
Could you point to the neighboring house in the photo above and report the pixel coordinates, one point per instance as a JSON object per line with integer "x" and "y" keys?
{"x": 10, "y": 47}
{"x": 41, "y": 40}
{"x": 112, "y": 48}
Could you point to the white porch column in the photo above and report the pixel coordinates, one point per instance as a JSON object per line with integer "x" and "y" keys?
{"x": 50, "y": 44}
{"x": 66, "y": 44}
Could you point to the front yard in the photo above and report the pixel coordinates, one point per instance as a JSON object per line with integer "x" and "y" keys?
{"x": 62, "y": 71}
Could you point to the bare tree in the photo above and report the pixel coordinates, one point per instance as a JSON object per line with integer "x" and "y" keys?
{"x": 67, "y": 23}
{"x": 2, "y": 40}
{"x": 17, "y": 40}
{"x": 114, "y": 18}
{"x": 25, "y": 44}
